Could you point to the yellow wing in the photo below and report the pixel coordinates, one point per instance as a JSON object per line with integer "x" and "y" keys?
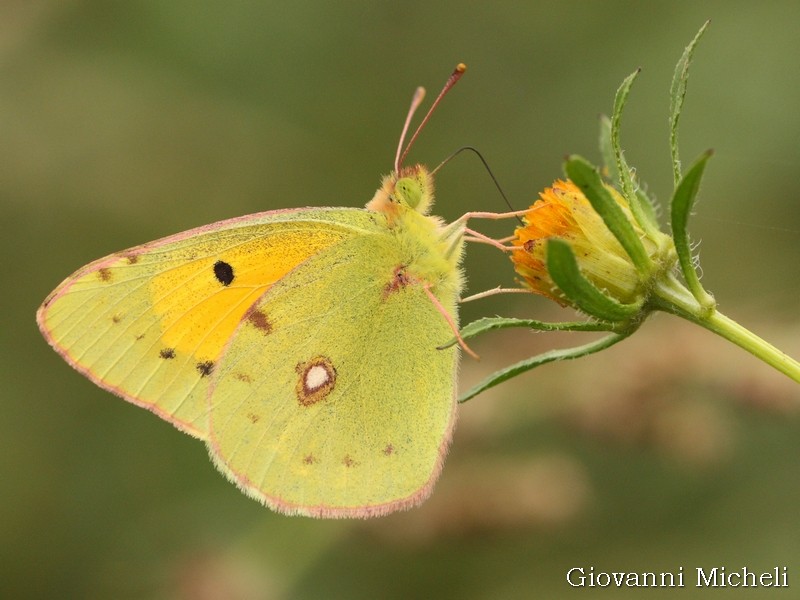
{"x": 343, "y": 407}
{"x": 149, "y": 324}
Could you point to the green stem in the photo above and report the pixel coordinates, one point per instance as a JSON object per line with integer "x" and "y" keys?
{"x": 671, "y": 296}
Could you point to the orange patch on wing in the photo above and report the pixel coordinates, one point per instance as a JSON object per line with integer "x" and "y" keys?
{"x": 198, "y": 316}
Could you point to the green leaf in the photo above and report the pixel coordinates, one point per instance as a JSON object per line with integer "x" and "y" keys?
{"x": 610, "y": 164}
{"x": 564, "y": 270}
{"x": 620, "y": 99}
{"x": 645, "y": 218}
{"x": 481, "y": 326}
{"x": 586, "y": 177}
{"x": 648, "y": 205}
{"x": 607, "y": 151}
{"x": 681, "y": 207}
{"x": 677, "y": 92}
{"x": 541, "y": 359}
{"x": 489, "y": 323}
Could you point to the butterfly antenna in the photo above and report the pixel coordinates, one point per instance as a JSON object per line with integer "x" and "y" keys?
{"x": 419, "y": 96}
{"x": 451, "y": 81}
{"x": 485, "y": 165}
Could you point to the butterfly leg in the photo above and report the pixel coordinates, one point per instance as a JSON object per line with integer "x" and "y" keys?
{"x": 476, "y": 236}
{"x": 458, "y": 227}
{"x": 449, "y": 319}
{"x": 494, "y": 292}
{"x": 493, "y": 216}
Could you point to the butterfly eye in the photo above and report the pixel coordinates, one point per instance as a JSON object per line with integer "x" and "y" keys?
{"x": 407, "y": 191}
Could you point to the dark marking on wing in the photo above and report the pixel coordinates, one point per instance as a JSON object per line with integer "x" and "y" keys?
{"x": 258, "y": 319}
{"x": 400, "y": 280}
{"x": 317, "y": 378}
{"x": 223, "y": 272}
{"x": 205, "y": 368}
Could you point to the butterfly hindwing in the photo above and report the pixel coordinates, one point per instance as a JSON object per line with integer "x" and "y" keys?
{"x": 331, "y": 398}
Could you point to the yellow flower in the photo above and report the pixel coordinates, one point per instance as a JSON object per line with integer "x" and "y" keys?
{"x": 563, "y": 211}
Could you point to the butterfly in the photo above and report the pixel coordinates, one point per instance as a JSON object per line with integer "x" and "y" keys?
{"x": 299, "y": 344}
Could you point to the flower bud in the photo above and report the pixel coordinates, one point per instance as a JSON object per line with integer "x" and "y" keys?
{"x": 563, "y": 211}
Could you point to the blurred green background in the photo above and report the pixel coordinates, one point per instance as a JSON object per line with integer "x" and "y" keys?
{"x": 122, "y": 122}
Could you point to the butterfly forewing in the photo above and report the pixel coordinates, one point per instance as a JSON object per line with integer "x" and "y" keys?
{"x": 151, "y": 323}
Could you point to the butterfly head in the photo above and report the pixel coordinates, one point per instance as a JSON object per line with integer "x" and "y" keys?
{"x": 409, "y": 189}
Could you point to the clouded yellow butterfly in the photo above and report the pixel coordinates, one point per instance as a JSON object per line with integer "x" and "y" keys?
{"x": 300, "y": 344}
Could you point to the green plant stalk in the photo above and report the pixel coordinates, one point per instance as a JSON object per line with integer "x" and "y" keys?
{"x": 671, "y": 296}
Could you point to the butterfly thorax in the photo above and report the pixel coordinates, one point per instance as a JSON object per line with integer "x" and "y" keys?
{"x": 430, "y": 251}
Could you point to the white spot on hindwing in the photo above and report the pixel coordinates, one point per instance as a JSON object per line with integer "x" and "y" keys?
{"x": 316, "y": 379}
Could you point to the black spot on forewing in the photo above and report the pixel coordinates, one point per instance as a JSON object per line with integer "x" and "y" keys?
{"x": 223, "y": 272}
{"x": 167, "y": 353}
{"x": 205, "y": 368}
{"x": 104, "y": 274}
